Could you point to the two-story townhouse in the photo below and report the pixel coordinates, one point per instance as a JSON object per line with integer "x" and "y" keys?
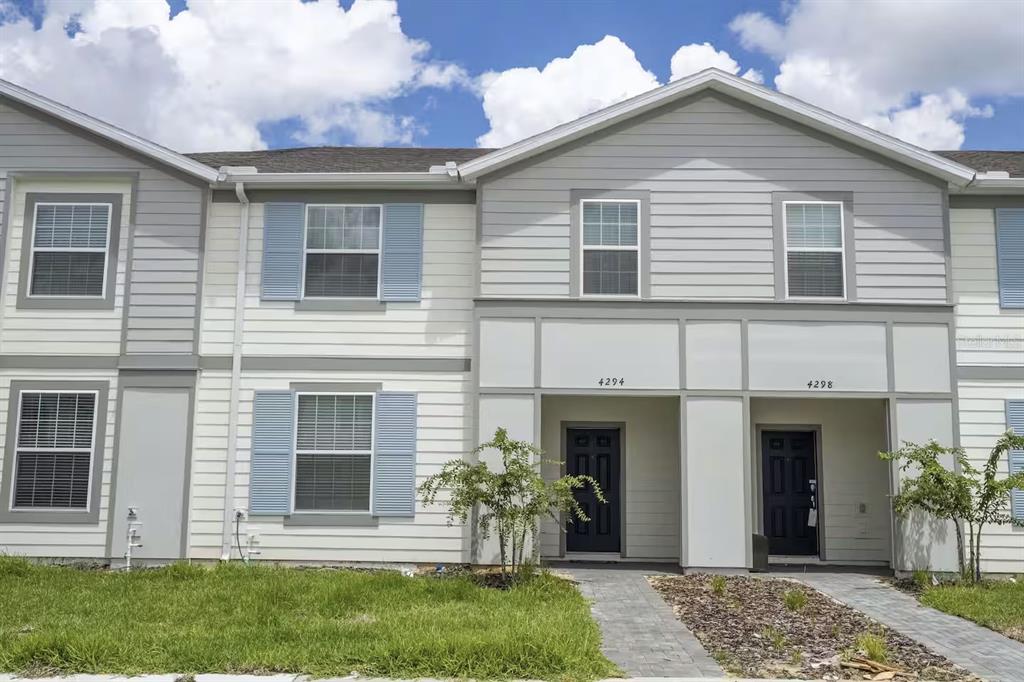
{"x": 99, "y": 297}
{"x": 718, "y": 300}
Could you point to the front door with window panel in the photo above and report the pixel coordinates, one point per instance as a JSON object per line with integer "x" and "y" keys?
{"x": 790, "y": 492}
{"x": 597, "y": 453}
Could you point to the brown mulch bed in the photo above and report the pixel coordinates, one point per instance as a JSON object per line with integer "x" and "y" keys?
{"x": 751, "y": 632}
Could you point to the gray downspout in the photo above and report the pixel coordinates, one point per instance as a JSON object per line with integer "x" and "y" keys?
{"x": 236, "y": 372}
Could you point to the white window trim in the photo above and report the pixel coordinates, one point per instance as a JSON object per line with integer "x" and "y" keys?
{"x": 596, "y": 247}
{"x": 378, "y": 251}
{"x": 92, "y": 453}
{"x": 295, "y": 453}
{"x": 33, "y": 250}
{"x": 801, "y": 249}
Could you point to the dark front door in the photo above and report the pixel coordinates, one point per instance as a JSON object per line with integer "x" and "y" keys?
{"x": 594, "y": 452}
{"x": 790, "y": 492}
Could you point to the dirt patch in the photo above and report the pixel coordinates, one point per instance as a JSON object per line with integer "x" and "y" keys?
{"x": 769, "y": 627}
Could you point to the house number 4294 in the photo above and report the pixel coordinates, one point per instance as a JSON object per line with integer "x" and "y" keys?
{"x": 611, "y": 381}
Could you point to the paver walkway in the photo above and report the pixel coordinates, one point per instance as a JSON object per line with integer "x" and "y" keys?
{"x": 639, "y": 632}
{"x": 984, "y": 652}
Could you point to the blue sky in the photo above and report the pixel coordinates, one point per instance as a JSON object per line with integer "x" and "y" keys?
{"x": 142, "y": 66}
{"x": 653, "y": 28}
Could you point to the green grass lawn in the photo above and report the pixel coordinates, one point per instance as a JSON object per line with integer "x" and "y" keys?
{"x": 997, "y": 604}
{"x": 189, "y": 619}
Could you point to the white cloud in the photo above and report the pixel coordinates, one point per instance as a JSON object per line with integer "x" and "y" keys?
{"x": 208, "y": 77}
{"x": 690, "y": 59}
{"x": 906, "y": 67}
{"x": 520, "y": 102}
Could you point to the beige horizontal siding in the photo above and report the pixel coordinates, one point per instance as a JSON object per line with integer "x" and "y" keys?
{"x": 437, "y": 326}
{"x": 442, "y": 432}
{"x": 982, "y": 421}
{"x": 36, "y": 331}
{"x": 986, "y": 334}
{"x": 166, "y": 254}
{"x": 60, "y": 540}
{"x": 711, "y": 167}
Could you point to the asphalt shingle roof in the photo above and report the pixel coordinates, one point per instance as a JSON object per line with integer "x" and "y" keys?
{"x": 1011, "y": 162}
{"x": 341, "y": 159}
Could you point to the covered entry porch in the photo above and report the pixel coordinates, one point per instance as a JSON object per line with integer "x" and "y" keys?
{"x": 685, "y": 399}
{"x": 811, "y": 481}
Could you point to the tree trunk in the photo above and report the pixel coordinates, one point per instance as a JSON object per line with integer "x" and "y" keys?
{"x": 522, "y": 544}
{"x": 977, "y": 556}
{"x": 970, "y": 540}
{"x": 962, "y": 568}
{"x": 501, "y": 544}
{"x": 514, "y": 533}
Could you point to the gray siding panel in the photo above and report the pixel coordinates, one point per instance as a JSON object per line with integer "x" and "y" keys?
{"x": 710, "y": 167}
{"x": 165, "y": 231}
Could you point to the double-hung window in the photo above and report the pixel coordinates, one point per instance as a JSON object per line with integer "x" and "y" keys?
{"x": 342, "y": 251}
{"x": 69, "y": 249}
{"x": 54, "y": 450}
{"x": 814, "y": 249}
{"x": 611, "y": 247}
{"x": 333, "y": 452}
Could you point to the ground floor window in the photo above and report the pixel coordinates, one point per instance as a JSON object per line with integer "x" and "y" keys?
{"x": 333, "y": 452}
{"x": 55, "y": 449}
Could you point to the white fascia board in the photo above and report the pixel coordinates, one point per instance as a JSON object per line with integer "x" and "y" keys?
{"x": 418, "y": 180}
{"x": 107, "y": 131}
{"x": 992, "y": 186}
{"x": 739, "y": 88}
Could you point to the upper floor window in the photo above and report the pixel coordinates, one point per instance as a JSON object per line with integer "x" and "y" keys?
{"x": 814, "y": 246}
{"x": 333, "y": 452}
{"x": 54, "y": 450}
{"x": 69, "y": 252}
{"x": 611, "y": 247}
{"x": 342, "y": 251}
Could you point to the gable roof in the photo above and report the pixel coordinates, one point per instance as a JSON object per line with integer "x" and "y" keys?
{"x": 342, "y": 159}
{"x": 106, "y": 131}
{"x": 715, "y": 80}
{"x": 987, "y": 161}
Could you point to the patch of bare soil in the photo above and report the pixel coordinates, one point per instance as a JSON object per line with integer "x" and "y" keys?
{"x": 769, "y": 627}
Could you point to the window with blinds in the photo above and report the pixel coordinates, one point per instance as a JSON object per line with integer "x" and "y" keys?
{"x": 69, "y": 250}
{"x": 342, "y": 252}
{"x": 55, "y": 449}
{"x": 611, "y": 247}
{"x": 814, "y": 249}
{"x": 333, "y": 452}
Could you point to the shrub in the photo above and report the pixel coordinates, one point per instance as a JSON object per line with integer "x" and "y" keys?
{"x": 922, "y": 579}
{"x": 969, "y": 497}
{"x": 718, "y": 584}
{"x": 795, "y": 599}
{"x": 512, "y": 500}
{"x": 873, "y": 647}
{"x": 776, "y": 638}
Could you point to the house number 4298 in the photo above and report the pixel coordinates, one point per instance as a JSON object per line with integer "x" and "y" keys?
{"x": 819, "y": 383}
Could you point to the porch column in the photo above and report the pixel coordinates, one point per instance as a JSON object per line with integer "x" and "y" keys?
{"x": 717, "y": 522}
{"x": 922, "y": 542}
{"x": 518, "y": 414}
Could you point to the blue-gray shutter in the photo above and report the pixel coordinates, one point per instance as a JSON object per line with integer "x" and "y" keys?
{"x": 1015, "y": 421}
{"x": 283, "y": 224}
{"x": 1010, "y": 256}
{"x": 270, "y": 477}
{"x": 394, "y": 456}
{"x": 401, "y": 271}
